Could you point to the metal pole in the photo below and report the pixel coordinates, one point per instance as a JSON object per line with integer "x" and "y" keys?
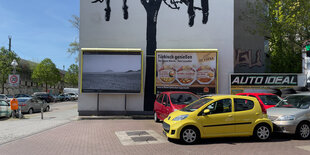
{"x": 42, "y": 111}
{"x": 10, "y": 38}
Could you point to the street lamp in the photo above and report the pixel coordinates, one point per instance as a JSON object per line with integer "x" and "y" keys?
{"x": 14, "y": 64}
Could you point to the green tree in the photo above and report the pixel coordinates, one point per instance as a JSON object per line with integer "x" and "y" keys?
{"x": 72, "y": 76}
{"x": 286, "y": 25}
{"x": 74, "y": 47}
{"x": 6, "y": 58}
{"x": 46, "y": 73}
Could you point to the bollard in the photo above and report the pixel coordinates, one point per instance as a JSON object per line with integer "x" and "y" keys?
{"x": 41, "y": 112}
{"x": 19, "y": 112}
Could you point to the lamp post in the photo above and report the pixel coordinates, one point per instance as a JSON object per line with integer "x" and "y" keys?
{"x": 14, "y": 64}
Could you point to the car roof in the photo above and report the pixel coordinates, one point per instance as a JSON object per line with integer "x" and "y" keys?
{"x": 24, "y": 98}
{"x": 215, "y": 97}
{"x": 177, "y": 92}
{"x": 255, "y": 94}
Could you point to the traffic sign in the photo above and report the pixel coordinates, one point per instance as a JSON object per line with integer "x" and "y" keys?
{"x": 14, "y": 80}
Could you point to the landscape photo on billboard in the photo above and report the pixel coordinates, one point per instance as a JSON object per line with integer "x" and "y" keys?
{"x": 111, "y": 72}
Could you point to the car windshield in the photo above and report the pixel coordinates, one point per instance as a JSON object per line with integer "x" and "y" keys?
{"x": 270, "y": 99}
{"x": 182, "y": 98}
{"x": 196, "y": 105}
{"x": 22, "y": 100}
{"x": 295, "y": 101}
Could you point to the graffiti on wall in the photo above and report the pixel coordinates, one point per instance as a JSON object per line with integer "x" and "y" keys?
{"x": 248, "y": 58}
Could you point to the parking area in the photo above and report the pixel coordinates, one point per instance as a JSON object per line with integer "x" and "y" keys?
{"x": 140, "y": 136}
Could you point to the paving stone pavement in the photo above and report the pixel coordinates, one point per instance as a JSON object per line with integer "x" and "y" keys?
{"x": 13, "y": 128}
{"x": 98, "y": 137}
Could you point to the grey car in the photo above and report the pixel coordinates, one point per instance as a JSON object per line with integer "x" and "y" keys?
{"x": 292, "y": 115}
{"x": 32, "y": 104}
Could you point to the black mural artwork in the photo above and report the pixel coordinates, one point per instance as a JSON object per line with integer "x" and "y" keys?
{"x": 152, "y": 8}
{"x": 174, "y": 4}
{"x": 108, "y": 9}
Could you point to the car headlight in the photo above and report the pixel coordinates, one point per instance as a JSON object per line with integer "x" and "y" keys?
{"x": 286, "y": 118}
{"x": 175, "y": 110}
{"x": 181, "y": 117}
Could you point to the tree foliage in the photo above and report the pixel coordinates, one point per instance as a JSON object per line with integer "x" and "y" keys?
{"x": 286, "y": 24}
{"x": 6, "y": 58}
{"x": 72, "y": 75}
{"x": 46, "y": 73}
{"x": 74, "y": 47}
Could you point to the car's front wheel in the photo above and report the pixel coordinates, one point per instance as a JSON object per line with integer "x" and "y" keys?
{"x": 190, "y": 135}
{"x": 303, "y": 130}
{"x": 47, "y": 109}
{"x": 30, "y": 111}
{"x": 262, "y": 132}
{"x": 155, "y": 117}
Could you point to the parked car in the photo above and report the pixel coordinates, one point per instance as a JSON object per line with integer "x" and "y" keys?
{"x": 5, "y": 109}
{"x": 219, "y": 116}
{"x": 168, "y": 102}
{"x": 4, "y": 97}
{"x": 21, "y": 95}
{"x": 32, "y": 104}
{"x": 64, "y": 97}
{"x": 43, "y": 96}
{"x": 292, "y": 115}
{"x": 56, "y": 98}
{"x": 268, "y": 100}
{"x": 73, "y": 96}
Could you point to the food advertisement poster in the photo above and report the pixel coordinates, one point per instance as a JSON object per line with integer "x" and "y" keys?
{"x": 186, "y": 70}
{"x": 111, "y": 71}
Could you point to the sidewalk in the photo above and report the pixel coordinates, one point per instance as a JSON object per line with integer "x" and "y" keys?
{"x": 128, "y": 136}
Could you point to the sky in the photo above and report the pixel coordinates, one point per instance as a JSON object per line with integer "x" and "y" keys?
{"x": 116, "y": 63}
{"x": 40, "y": 29}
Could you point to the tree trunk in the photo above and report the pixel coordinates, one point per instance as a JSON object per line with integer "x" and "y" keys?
{"x": 45, "y": 87}
{"x": 152, "y": 8}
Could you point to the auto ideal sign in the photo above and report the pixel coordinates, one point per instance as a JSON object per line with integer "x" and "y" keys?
{"x": 259, "y": 82}
{"x": 14, "y": 80}
{"x": 282, "y": 80}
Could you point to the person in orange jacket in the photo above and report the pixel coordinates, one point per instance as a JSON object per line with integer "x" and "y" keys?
{"x": 14, "y": 106}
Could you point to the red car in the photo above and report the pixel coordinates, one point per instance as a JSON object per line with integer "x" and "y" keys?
{"x": 268, "y": 100}
{"x": 167, "y": 102}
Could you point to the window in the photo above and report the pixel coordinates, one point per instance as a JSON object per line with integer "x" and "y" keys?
{"x": 270, "y": 99}
{"x": 159, "y": 98}
{"x": 221, "y": 106}
{"x": 182, "y": 98}
{"x": 166, "y": 100}
{"x": 3, "y": 103}
{"x": 243, "y": 104}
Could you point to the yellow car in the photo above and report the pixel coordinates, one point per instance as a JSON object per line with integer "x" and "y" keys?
{"x": 219, "y": 116}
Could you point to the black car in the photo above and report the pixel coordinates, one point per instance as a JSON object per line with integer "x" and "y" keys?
{"x": 21, "y": 95}
{"x": 44, "y": 96}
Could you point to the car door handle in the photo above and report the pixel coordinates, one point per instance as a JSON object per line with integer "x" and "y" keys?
{"x": 229, "y": 115}
{"x": 257, "y": 113}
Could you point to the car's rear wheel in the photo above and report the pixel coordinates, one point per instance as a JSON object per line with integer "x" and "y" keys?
{"x": 190, "y": 135}
{"x": 262, "y": 132}
{"x": 303, "y": 130}
{"x": 47, "y": 109}
{"x": 155, "y": 117}
{"x": 30, "y": 111}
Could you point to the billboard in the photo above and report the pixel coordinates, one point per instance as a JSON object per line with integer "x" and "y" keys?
{"x": 186, "y": 70}
{"x": 111, "y": 70}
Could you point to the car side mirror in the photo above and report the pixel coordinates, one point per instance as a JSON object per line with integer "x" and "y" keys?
{"x": 206, "y": 111}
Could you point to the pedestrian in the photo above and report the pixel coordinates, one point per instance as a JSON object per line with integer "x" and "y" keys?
{"x": 14, "y": 106}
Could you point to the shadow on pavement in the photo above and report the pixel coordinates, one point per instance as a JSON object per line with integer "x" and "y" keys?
{"x": 276, "y": 137}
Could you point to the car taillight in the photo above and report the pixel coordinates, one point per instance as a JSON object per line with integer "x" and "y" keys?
{"x": 263, "y": 108}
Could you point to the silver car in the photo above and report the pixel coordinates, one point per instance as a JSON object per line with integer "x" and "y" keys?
{"x": 292, "y": 115}
{"x": 32, "y": 104}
